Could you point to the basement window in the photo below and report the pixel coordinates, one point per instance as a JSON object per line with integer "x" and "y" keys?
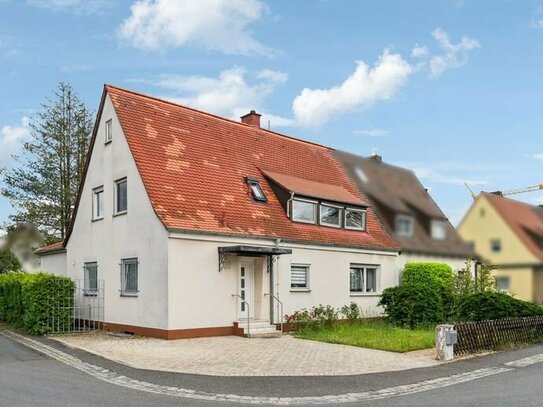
{"x": 256, "y": 190}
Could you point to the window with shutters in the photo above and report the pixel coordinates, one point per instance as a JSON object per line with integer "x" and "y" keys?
{"x": 299, "y": 277}
{"x": 121, "y": 196}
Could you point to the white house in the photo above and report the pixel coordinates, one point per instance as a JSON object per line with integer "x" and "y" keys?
{"x": 195, "y": 222}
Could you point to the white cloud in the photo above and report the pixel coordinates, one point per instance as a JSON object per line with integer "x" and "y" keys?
{"x": 73, "y": 6}
{"x": 371, "y": 132}
{"x": 419, "y": 51}
{"x": 230, "y": 94}
{"x": 538, "y": 156}
{"x": 11, "y": 138}
{"x": 427, "y": 173}
{"x": 453, "y": 56}
{"x": 214, "y": 25}
{"x": 364, "y": 87}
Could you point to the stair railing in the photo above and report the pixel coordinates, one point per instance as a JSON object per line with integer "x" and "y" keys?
{"x": 280, "y": 306}
{"x": 248, "y": 312}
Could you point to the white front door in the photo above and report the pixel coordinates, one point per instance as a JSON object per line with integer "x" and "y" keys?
{"x": 246, "y": 289}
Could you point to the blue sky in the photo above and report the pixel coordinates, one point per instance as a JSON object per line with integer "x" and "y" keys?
{"x": 451, "y": 89}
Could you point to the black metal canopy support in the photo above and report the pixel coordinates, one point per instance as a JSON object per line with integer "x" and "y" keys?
{"x": 254, "y": 251}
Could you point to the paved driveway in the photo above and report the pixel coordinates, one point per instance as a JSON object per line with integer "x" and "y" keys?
{"x": 236, "y": 356}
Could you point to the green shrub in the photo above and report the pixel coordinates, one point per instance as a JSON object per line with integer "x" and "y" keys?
{"x": 36, "y": 302}
{"x": 493, "y": 305}
{"x": 412, "y": 305}
{"x": 351, "y": 312}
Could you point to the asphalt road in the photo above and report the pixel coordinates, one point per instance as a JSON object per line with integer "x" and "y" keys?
{"x": 28, "y": 378}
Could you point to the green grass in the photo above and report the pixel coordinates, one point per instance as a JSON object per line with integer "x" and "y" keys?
{"x": 373, "y": 335}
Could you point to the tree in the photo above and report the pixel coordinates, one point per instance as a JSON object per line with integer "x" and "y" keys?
{"x": 43, "y": 186}
{"x": 8, "y": 261}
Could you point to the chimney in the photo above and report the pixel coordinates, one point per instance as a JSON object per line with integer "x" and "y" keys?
{"x": 377, "y": 158}
{"x": 252, "y": 118}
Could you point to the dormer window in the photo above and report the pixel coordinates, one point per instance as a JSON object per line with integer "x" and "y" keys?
{"x": 404, "y": 225}
{"x": 439, "y": 230}
{"x": 256, "y": 190}
{"x": 330, "y": 215}
{"x": 304, "y": 211}
{"x": 355, "y": 219}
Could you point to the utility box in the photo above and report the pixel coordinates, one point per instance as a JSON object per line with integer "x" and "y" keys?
{"x": 451, "y": 337}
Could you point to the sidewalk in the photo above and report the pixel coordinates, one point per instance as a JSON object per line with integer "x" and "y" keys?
{"x": 236, "y": 356}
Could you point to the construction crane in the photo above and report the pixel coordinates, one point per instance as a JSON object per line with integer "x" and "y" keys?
{"x": 532, "y": 188}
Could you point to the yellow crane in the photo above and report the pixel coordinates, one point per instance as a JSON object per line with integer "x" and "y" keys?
{"x": 531, "y": 188}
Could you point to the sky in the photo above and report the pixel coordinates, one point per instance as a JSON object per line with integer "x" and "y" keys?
{"x": 452, "y": 89}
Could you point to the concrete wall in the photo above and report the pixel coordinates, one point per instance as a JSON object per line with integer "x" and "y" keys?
{"x": 201, "y": 296}
{"x": 138, "y": 233}
{"x": 54, "y": 263}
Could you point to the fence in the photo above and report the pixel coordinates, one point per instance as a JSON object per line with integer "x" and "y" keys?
{"x": 81, "y": 311}
{"x": 492, "y": 335}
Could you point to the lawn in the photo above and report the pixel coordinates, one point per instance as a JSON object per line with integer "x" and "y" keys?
{"x": 373, "y": 335}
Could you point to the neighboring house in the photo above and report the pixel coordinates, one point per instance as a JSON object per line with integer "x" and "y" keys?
{"x": 180, "y": 212}
{"x": 508, "y": 234}
{"x": 408, "y": 211}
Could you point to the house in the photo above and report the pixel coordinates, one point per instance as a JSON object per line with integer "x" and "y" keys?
{"x": 509, "y": 234}
{"x": 407, "y": 211}
{"x": 197, "y": 224}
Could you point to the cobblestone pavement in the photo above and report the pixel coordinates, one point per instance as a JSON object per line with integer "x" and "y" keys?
{"x": 236, "y": 356}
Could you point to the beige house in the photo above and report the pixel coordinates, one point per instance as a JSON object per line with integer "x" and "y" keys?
{"x": 509, "y": 234}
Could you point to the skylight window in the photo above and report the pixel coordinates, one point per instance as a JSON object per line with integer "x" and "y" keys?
{"x": 256, "y": 190}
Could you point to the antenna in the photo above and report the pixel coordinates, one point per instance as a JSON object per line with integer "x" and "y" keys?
{"x": 470, "y": 191}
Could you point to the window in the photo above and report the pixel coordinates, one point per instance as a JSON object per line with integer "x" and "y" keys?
{"x": 503, "y": 284}
{"x": 330, "y": 215}
{"x": 91, "y": 278}
{"x": 109, "y": 131}
{"x": 496, "y": 245}
{"x": 121, "y": 201}
{"x": 129, "y": 276}
{"x": 363, "y": 279}
{"x": 304, "y": 211}
{"x": 355, "y": 219}
{"x": 256, "y": 189}
{"x": 98, "y": 203}
{"x": 471, "y": 244}
{"x": 439, "y": 230}
{"x": 299, "y": 277}
{"x": 404, "y": 225}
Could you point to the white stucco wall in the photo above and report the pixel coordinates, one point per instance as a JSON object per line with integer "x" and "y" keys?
{"x": 201, "y": 296}
{"x": 54, "y": 263}
{"x": 138, "y": 233}
{"x": 456, "y": 263}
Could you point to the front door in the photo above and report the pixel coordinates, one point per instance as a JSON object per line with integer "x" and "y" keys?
{"x": 246, "y": 289}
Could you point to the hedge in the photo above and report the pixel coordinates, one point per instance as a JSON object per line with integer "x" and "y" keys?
{"x": 40, "y": 303}
{"x": 492, "y": 305}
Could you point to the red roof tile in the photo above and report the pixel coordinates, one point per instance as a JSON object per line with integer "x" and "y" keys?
{"x": 193, "y": 166}
{"x": 524, "y": 219}
{"x": 53, "y": 247}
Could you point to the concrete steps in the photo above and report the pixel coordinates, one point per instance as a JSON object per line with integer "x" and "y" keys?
{"x": 258, "y": 328}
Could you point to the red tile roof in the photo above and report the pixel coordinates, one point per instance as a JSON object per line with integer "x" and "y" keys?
{"x": 193, "y": 166}
{"x": 53, "y": 247}
{"x": 525, "y": 220}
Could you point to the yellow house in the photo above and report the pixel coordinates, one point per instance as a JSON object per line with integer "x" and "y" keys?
{"x": 509, "y": 234}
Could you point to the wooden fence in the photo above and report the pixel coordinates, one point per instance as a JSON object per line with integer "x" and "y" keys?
{"x": 492, "y": 335}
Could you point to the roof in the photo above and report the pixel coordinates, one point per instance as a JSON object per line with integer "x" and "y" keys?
{"x": 524, "y": 219}
{"x": 193, "y": 166}
{"x": 394, "y": 190}
{"x": 314, "y": 189}
{"x": 50, "y": 249}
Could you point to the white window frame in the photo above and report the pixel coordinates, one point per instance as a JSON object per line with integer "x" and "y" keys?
{"x": 411, "y": 225}
{"x": 97, "y": 193}
{"x": 108, "y": 135}
{"x": 124, "y": 291}
{"x": 362, "y": 211}
{"x": 442, "y": 226}
{"x": 364, "y": 268}
{"x": 88, "y": 290}
{"x": 307, "y": 268}
{"x": 503, "y": 290}
{"x": 492, "y": 241}
{"x": 116, "y": 195}
{"x": 315, "y": 210}
{"x": 340, "y": 215}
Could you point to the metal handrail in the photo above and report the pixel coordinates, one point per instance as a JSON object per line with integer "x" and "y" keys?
{"x": 280, "y": 305}
{"x": 248, "y": 313}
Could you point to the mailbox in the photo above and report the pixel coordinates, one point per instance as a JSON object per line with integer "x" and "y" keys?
{"x": 451, "y": 337}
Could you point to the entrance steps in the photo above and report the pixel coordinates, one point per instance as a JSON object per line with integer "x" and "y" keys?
{"x": 258, "y": 328}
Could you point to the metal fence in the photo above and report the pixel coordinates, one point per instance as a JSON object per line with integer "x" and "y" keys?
{"x": 77, "y": 311}
{"x": 492, "y": 335}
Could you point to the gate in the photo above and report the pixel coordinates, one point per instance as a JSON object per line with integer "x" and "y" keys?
{"x": 78, "y": 311}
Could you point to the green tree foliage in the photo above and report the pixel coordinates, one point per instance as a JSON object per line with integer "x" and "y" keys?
{"x": 43, "y": 185}
{"x": 8, "y": 261}
{"x": 484, "y": 305}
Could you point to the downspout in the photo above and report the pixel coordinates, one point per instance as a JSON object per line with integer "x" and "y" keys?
{"x": 289, "y": 204}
